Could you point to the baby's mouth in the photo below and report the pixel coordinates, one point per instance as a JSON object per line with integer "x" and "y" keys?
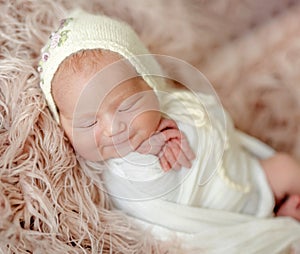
{"x": 122, "y": 145}
{"x": 120, "y": 140}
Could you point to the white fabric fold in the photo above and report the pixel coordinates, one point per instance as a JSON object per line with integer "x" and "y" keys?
{"x": 229, "y": 212}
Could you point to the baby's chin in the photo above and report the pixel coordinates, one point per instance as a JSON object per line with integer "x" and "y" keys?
{"x": 108, "y": 153}
{"x": 112, "y": 151}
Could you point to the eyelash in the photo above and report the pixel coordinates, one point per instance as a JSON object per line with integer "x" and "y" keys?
{"x": 128, "y": 107}
{"x": 125, "y": 109}
{"x": 90, "y": 125}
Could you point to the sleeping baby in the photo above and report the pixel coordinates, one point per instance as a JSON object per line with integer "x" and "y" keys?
{"x": 107, "y": 92}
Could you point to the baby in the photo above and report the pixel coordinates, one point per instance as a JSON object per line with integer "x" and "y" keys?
{"x": 100, "y": 90}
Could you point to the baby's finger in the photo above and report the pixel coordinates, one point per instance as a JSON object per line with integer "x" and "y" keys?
{"x": 153, "y": 145}
{"x": 186, "y": 148}
{"x": 164, "y": 163}
{"x": 171, "y": 134}
{"x": 181, "y": 156}
{"x": 174, "y": 134}
{"x": 167, "y": 124}
{"x": 170, "y": 153}
{"x": 183, "y": 160}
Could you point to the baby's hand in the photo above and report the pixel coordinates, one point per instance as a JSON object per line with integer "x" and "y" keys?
{"x": 170, "y": 145}
{"x": 176, "y": 152}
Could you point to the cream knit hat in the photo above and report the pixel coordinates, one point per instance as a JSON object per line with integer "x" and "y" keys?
{"x": 81, "y": 31}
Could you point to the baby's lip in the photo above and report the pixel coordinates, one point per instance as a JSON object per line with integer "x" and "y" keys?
{"x": 117, "y": 140}
{"x": 120, "y": 139}
{"x": 121, "y": 148}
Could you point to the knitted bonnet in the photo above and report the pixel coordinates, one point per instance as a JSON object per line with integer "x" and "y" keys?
{"x": 81, "y": 31}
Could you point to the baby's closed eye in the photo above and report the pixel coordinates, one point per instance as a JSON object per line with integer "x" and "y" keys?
{"x": 130, "y": 104}
{"x": 86, "y": 124}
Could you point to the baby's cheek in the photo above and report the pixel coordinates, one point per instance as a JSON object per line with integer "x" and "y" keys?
{"x": 85, "y": 145}
{"x": 151, "y": 120}
{"x": 146, "y": 123}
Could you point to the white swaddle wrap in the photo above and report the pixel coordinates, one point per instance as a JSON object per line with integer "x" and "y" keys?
{"x": 224, "y": 175}
{"x": 207, "y": 211}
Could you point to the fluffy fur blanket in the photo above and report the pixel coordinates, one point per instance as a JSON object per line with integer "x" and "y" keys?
{"x": 49, "y": 202}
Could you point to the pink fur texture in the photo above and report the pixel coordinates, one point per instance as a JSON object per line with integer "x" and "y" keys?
{"x": 50, "y": 202}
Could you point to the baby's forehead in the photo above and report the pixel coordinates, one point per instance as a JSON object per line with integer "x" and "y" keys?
{"x": 89, "y": 67}
{"x": 107, "y": 71}
{"x": 87, "y": 62}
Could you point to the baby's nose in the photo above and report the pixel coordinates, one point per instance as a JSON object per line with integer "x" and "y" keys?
{"x": 113, "y": 127}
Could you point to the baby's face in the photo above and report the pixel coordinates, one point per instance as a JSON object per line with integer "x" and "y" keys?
{"x": 103, "y": 118}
